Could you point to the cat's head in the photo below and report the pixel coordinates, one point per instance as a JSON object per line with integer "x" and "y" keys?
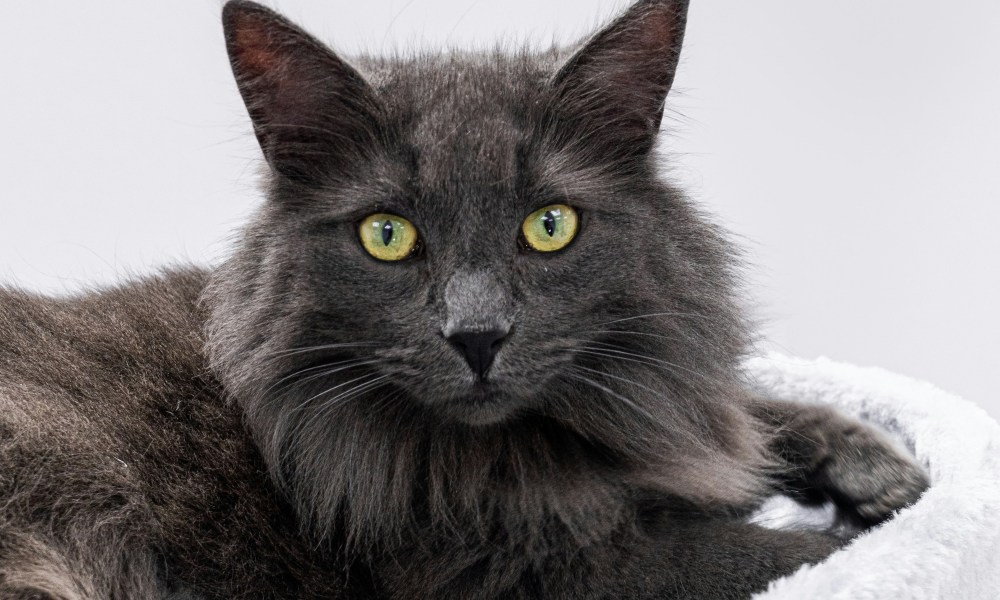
{"x": 472, "y": 243}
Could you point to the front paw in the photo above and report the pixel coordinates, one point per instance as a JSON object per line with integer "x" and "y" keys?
{"x": 867, "y": 476}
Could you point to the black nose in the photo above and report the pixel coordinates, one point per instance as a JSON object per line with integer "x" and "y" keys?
{"x": 479, "y": 348}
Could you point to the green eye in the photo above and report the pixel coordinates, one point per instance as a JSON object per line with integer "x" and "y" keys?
{"x": 550, "y": 228}
{"x": 388, "y": 237}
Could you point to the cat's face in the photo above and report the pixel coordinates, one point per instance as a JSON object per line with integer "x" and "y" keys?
{"x": 511, "y": 199}
{"x": 474, "y": 320}
{"x": 469, "y": 277}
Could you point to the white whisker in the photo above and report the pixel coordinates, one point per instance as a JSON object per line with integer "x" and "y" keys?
{"x": 656, "y": 314}
{"x": 628, "y": 402}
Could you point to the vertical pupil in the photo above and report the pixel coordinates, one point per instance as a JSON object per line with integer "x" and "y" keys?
{"x": 549, "y": 222}
{"x": 387, "y": 233}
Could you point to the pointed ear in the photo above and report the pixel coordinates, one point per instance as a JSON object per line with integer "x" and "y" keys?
{"x": 312, "y": 112}
{"x": 613, "y": 89}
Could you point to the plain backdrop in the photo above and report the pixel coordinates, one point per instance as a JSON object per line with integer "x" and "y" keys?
{"x": 852, "y": 147}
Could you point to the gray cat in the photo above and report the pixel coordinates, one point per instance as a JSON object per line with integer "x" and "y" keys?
{"x": 472, "y": 346}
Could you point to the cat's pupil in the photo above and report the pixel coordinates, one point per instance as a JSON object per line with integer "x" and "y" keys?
{"x": 387, "y": 233}
{"x": 549, "y": 222}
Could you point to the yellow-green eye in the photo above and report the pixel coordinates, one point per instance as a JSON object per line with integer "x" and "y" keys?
{"x": 388, "y": 237}
{"x": 550, "y": 228}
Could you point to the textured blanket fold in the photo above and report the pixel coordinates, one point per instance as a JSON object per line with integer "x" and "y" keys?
{"x": 947, "y": 545}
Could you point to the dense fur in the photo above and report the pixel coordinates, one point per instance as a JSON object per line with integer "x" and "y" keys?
{"x": 468, "y": 147}
{"x": 122, "y": 466}
{"x": 296, "y": 424}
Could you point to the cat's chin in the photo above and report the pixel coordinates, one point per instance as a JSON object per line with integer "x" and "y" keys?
{"x": 482, "y": 406}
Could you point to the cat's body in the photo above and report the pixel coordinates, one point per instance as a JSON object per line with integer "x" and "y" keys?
{"x": 477, "y": 419}
{"x": 126, "y": 475}
{"x": 121, "y": 466}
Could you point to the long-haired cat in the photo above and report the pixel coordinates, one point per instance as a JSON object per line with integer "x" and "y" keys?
{"x": 471, "y": 346}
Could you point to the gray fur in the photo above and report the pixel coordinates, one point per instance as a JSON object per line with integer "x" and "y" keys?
{"x": 295, "y": 424}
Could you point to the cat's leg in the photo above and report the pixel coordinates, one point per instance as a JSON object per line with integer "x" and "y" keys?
{"x": 710, "y": 559}
{"x": 677, "y": 558}
{"x": 670, "y": 557}
{"x": 830, "y": 455}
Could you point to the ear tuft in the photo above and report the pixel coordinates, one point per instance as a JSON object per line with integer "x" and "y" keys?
{"x": 614, "y": 88}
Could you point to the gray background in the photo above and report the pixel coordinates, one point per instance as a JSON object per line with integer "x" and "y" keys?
{"x": 853, "y": 147}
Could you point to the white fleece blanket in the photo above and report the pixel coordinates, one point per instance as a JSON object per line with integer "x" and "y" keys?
{"x": 947, "y": 545}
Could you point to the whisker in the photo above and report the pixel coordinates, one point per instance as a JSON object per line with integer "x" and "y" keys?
{"x": 627, "y": 332}
{"x": 341, "y": 398}
{"x": 638, "y": 358}
{"x": 656, "y": 314}
{"x": 304, "y": 404}
{"x": 675, "y": 413}
{"x": 624, "y": 379}
{"x": 303, "y": 424}
{"x": 305, "y": 349}
{"x": 313, "y": 368}
{"x": 628, "y": 402}
{"x": 340, "y": 366}
{"x": 386, "y": 400}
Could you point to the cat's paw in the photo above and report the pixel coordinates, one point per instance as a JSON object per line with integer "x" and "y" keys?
{"x": 867, "y": 476}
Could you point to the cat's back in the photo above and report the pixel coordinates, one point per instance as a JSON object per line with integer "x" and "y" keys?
{"x": 77, "y": 366}
{"x": 113, "y": 431}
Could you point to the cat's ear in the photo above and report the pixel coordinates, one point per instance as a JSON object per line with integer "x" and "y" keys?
{"x": 613, "y": 89}
{"x": 311, "y": 111}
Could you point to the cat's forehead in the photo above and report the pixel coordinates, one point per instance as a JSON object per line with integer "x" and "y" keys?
{"x": 465, "y": 115}
{"x": 459, "y": 83}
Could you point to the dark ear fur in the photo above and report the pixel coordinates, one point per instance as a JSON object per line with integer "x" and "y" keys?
{"x": 312, "y": 112}
{"x": 613, "y": 89}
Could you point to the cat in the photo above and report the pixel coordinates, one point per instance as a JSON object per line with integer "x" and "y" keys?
{"x": 471, "y": 346}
